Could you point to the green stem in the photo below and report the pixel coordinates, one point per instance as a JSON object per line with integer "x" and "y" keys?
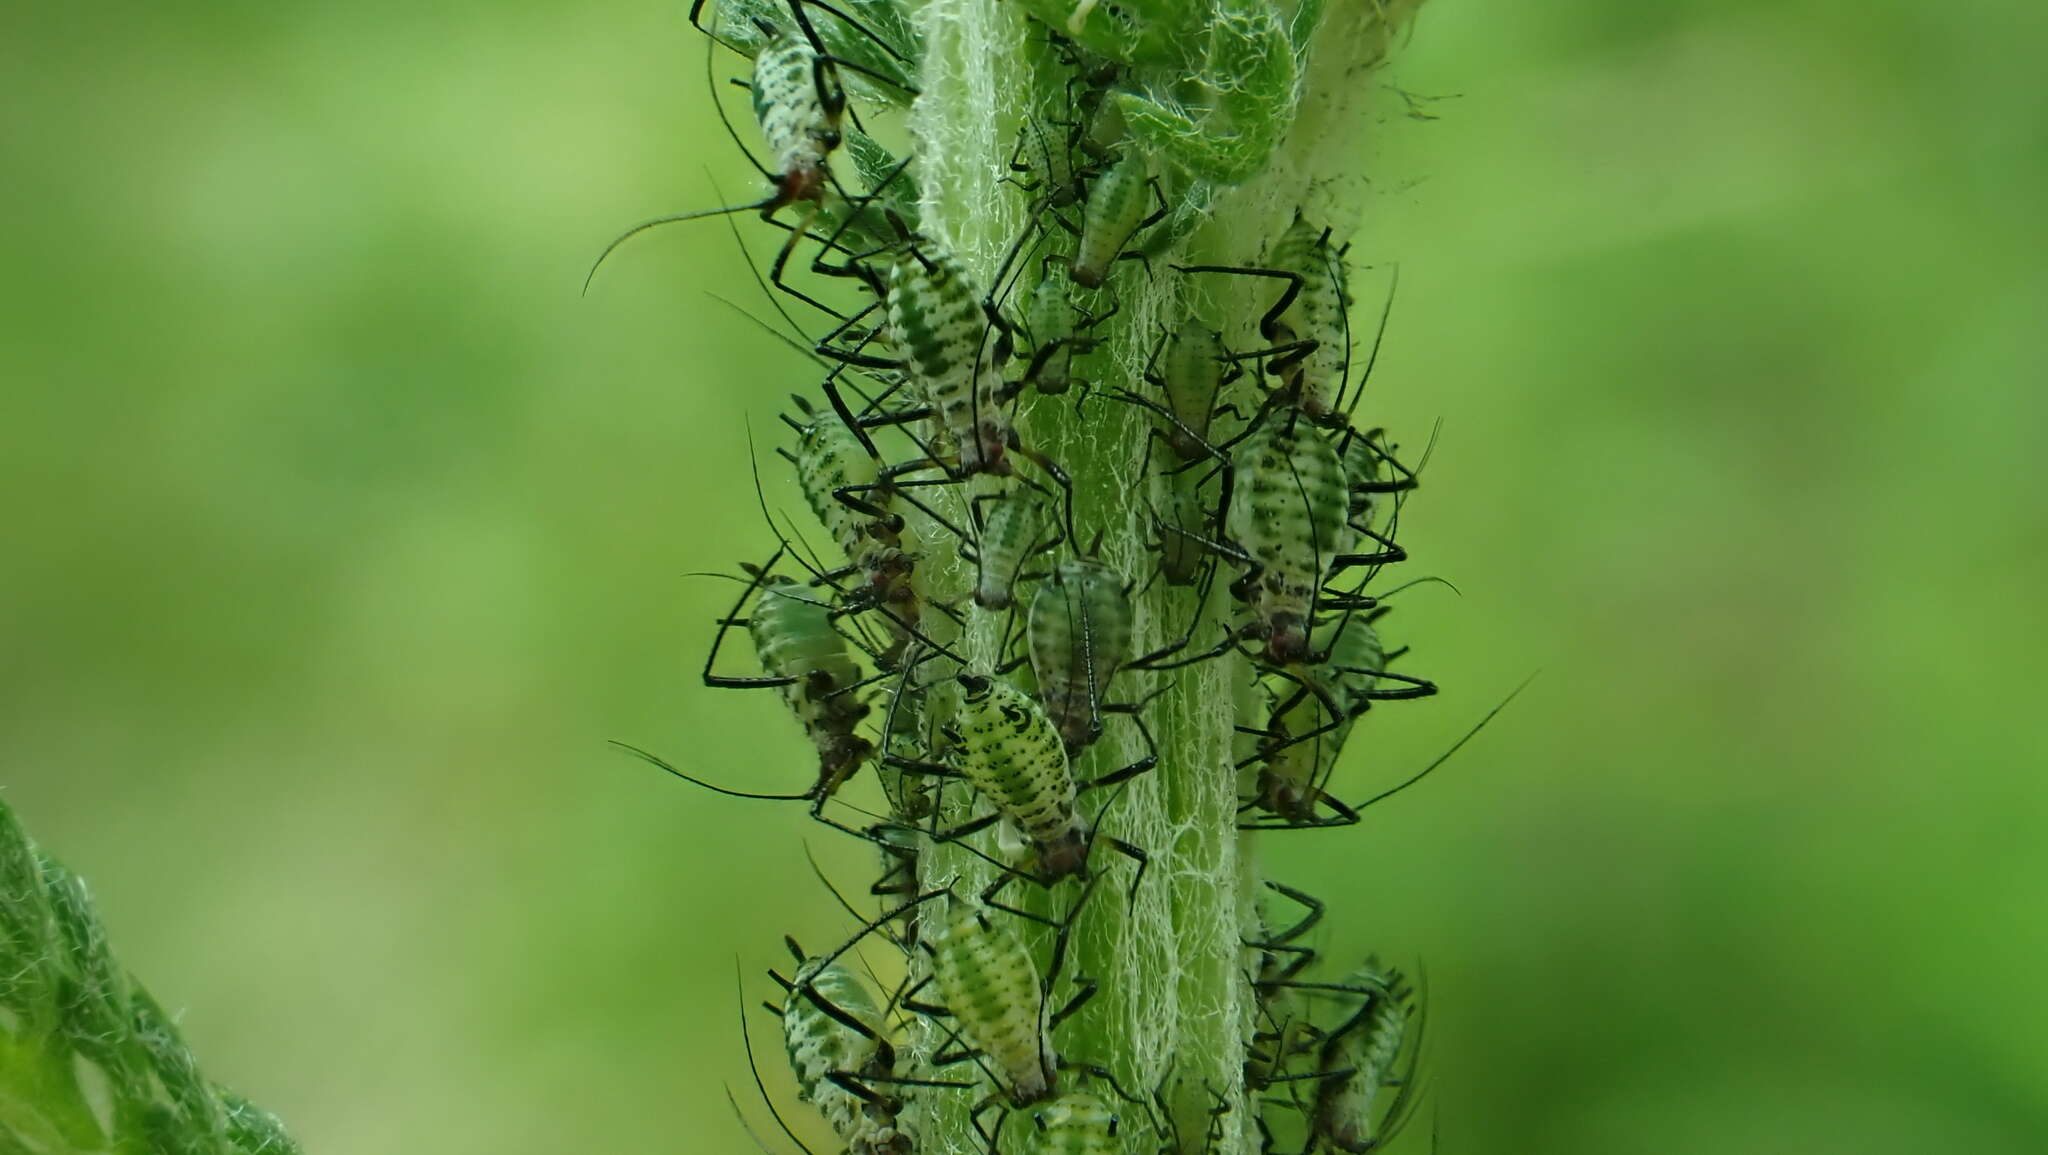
{"x": 1174, "y": 1006}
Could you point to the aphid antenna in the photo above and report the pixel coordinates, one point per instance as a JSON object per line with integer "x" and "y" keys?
{"x": 1373, "y": 357}
{"x": 747, "y": 1039}
{"x": 744, "y": 1125}
{"x": 657, "y": 762}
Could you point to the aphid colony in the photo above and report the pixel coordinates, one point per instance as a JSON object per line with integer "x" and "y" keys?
{"x": 916, "y": 459}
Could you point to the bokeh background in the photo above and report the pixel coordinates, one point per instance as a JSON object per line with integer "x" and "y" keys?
{"x": 341, "y": 534}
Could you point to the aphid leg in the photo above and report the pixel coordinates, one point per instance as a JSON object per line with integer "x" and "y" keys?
{"x": 1283, "y": 942}
{"x": 758, "y": 575}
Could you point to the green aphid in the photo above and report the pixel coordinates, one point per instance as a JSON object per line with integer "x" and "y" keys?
{"x": 1079, "y": 631}
{"x": 1010, "y": 528}
{"x": 1190, "y": 375}
{"x": 1183, "y": 524}
{"x": 990, "y": 985}
{"x": 1317, "y": 314}
{"x": 1306, "y": 739}
{"x": 1052, "y": 326}
{"x": 1011, "y": 752}
{"x": 794, "y": 638}
{"x": 1045, "y": 150}
{"x": 1076, "y": 1123}
{"x": 1115, "y": 210}
{"x": 823, "y": 1044}
{"x": 1360, "y": 1059}
{"x": 937, "y": 324}
{"x": 1289, "y": 509}
{"x": 799, "y": 103}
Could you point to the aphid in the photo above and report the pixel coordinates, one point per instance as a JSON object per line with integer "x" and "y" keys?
{"x": 1010, "y": 526}
{"x": 799, "y": 103}
{"x": 1052, "y": 161}
{"x": 1183, "y": 527}
{"x": 1114, "y": 213}
{"x": 990, "y": 985}
{"x": 1358, "y": 1061}
{"x": 1009, "y": 749}
{"x": 1076, "y": 1123}
{"x": 795, "y": 639}
{"x": 1284, "y": 1034}
{"x": 1314, "y": 324}
{"x": 1079, "y": 631}
{"x": 1289, "y": 512}
{"x": 831, "y": 1025}
{"x": 1052, "y": 326}
{"x": 937, "y": 322}
{"x": 1305, "y": 739}
{"x": 1190, "y": 378}
{"x": 852, "y": 497}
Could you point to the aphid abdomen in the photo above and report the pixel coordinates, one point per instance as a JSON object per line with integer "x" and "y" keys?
{"x": 794, "y": 638}
{"x": 1191, "y": 375}
{"x": 1369, "y": 1046}
{"x": 1116, "y": 205}
{"x": 798, "y": 101}
{"x": 1288, "y": 508}
{"x": 1076, "y": 1123}
{"x": 1080, "y": 632}
{"x": 1012, "y": 753}
{"x": 1317, "y": 314}
{"x": 1008, "y": 532}
{"x": 821, "y": 1046}
{"x": 989, "y": 983}
{"x": 936, "y": 323}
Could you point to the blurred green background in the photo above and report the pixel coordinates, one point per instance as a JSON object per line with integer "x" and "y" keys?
{"x": 341, "y": 534}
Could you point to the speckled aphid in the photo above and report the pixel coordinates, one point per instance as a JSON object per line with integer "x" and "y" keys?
{"x": 832, "y": 1029}
{"x": 1309, "y": 323}
{"x": 1290, "y": 511}
{"x": 989, "y": 984}
{"x": 1312, "y": 720}
{"x": 937, "y": 323}
{"x": 1076, "y": 1123}
{"x": 1079, "y": 632}
{"x": 811, "y": 661}
{"x": 1008, "y": 749}
{"x": 1013, "y": 526}
{"x": 800, "y": 106}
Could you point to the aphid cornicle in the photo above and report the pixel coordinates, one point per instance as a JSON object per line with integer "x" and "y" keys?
{"x": 1289, "y": 509}
{"x": 1076, "y": 1123}
{"x": 1316, "y": 317}
{"x": 794, "y": 638}
{"x": 937, "y": 323}
{"x": 825, "y": 1053}
{"x": 1358, "y": 1060}
{"x": 1079, "y": 631}
{"x": 1013, "y": 755}
{"x": 990, "y": 985}
{"x": 1115, "y": 211}
{"x": 1010, "y": 527}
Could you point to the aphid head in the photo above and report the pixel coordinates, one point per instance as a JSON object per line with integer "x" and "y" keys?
{"x": 1287, "y": 639}
{"x": 1064, "y": 855}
